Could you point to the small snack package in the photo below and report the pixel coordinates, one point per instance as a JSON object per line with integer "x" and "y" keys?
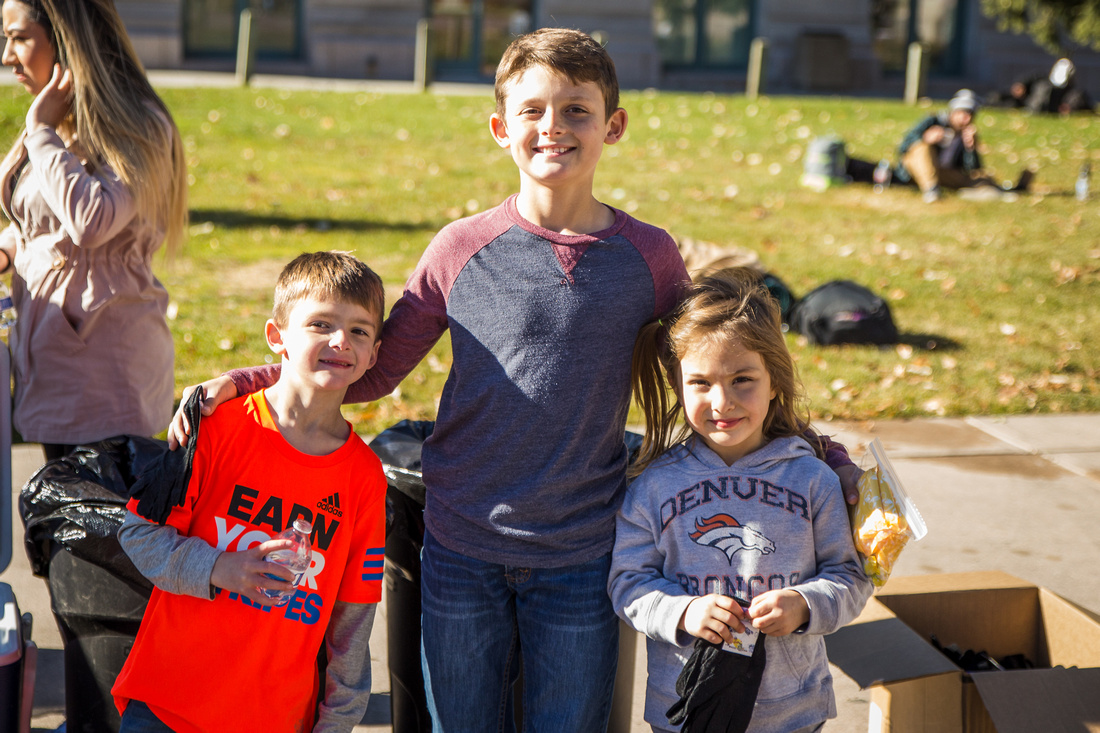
{"x": 885, "y": 519}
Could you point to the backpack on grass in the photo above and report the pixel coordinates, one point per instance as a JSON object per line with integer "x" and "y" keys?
{"x": 825, "y": 163}
{"x": 842, "y": 312}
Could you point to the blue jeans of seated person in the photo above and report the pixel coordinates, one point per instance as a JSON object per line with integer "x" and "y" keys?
{"x": 476, "y": 616}
{"x": 138, "y": 718}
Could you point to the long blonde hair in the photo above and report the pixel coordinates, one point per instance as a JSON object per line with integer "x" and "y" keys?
{"x": 730, "y": 304}
{"x": 117, "y": 117}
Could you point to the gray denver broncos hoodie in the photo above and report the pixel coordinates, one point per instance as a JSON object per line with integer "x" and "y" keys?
{"x": 691, "y": 525}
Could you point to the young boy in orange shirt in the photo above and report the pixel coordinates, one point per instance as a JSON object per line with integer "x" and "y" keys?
{"x": 212, "y": 653}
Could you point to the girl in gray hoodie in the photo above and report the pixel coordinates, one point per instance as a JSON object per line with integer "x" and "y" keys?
{"x": 737, "y": 504}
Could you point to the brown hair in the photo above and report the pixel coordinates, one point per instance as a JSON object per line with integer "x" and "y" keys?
{"x": 336, "y": 275}
{"x": 573, "y": 54}
{"x": 727, "y": 305}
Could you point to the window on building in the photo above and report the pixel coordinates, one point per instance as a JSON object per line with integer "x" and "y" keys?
{"x": 211, "y": 27}
{"x": 935, "y": 23}
{"x": 470, "y": 35}
{"x": 703, "y": 33}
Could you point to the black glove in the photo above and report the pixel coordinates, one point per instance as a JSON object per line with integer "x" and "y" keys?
{"x": 717, "y": 689}
{"x": 163, "y": 483}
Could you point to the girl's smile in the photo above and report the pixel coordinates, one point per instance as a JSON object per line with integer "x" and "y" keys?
{"x": 726, "y": 392}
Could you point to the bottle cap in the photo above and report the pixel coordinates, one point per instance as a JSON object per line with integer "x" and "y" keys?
{"x": 303, "y": 526}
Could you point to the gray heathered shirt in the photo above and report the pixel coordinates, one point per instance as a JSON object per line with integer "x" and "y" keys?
{"x": 691, "y": 525}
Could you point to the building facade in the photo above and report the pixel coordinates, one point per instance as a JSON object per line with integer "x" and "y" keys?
{"x": 842, "y": 46}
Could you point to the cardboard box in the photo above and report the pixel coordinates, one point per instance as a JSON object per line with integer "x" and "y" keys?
{"x": 917, "y": 689}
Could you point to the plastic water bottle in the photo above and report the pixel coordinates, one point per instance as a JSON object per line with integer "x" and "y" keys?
{"x": 7, "y": 309}
{"x": 882, "y": 175}
{"x": 296, "y": 558}
{"x": 1082, "y": 185}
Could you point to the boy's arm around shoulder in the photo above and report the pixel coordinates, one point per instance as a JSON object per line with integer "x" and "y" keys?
{"x": 348, "y": 675}
{"x": 640, "y": 593}
{"x": 172, "y": 562}
{"x": 840, "y": 589}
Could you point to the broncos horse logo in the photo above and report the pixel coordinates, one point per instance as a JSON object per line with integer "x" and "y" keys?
{"x": 728, "y": 535}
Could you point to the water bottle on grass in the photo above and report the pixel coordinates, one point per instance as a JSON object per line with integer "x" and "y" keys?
{"x": 1081, "y": 188}
{"x": 296, "y": 558}
{"x": 882, "y": 176}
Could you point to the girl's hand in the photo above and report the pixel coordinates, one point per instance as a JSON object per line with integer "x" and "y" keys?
{"x": 242, "y": 572}
{"x": 710, "y": 618}
{"x": 52, "y": 103}
{"x": 779, "y": 612}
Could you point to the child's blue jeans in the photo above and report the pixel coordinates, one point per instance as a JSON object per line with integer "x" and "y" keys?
{"x": 477, "y": 616}
{"x": 138, "y": 718}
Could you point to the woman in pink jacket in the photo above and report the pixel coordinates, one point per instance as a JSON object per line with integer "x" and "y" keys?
{"x": 94, "y": 185}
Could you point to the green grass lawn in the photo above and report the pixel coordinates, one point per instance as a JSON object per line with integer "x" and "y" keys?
{"x": 997, "y": 302}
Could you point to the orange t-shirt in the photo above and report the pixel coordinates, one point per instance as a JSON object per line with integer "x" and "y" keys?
{"x": 226, "y": 664}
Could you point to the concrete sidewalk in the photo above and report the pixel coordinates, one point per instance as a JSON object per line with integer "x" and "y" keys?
{"x": 1017, "y": 494}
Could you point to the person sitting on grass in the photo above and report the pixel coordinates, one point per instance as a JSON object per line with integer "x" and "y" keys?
{"x": 1058, "y": 93}
{"x": 212, "y": 654}
{"x": 941, "y": 151}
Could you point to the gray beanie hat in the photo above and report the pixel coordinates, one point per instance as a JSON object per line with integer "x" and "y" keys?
{"x": 963, "y": 99}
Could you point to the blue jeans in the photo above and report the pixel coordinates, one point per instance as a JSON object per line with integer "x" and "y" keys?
{"x": 477, "y": 616}
{"x": 138, "y": 718}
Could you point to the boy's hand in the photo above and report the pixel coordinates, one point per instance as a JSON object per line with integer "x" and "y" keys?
{"x": 779, "y": 612}
{"x": 710, "y": 618}
{"x": 53, "y": 102}
{"x": 849, "y": 482}
{"x": 243, "y": 572}
{"x": 218, "y": 390}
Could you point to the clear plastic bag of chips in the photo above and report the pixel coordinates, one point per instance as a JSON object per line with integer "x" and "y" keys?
{"x": 884, "y": 519}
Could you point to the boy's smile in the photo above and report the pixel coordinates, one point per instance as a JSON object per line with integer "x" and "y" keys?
{"x": 555, "y": 128}
{"x": 327, "y": 343}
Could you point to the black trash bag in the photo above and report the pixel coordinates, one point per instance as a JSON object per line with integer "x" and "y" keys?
{"x": 78, "y": 502}
{"x": 399, "y": 447}
{"x": 163, "y": 483}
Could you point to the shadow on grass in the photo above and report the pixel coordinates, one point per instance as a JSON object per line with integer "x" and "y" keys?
{"x": 248, "y": 220}
{"x": 929, "y": 342}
